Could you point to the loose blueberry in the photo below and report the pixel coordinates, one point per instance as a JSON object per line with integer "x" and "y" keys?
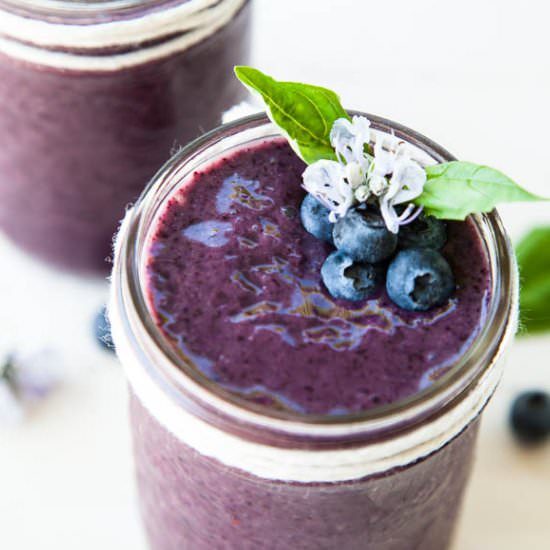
{"x": 102, "y": 328}
{"x": 419, "y": 279}
{"x": 348, "y": 280}
{"x": 315, "y": 220}
{"x": 424, "y": 232}
{"x": 363, "y": 235}
{"x": 530, "y": 417}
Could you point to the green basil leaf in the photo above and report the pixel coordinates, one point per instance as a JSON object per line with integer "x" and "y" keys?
{"x": 533, "y": 254}
{"x": 304, "y": 113}
{"x": 456, "y": 189}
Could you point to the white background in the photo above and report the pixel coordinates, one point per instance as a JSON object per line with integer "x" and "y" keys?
{"x": 473, "y": 75}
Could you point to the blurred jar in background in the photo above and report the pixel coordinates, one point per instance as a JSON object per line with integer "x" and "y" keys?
{"x": 94, "y": 97}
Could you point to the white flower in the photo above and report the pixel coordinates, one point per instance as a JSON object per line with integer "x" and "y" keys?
{"x": 377, "y": 184}
{"x": 326, "y": 181}
{"x": 392, "y": 176}
{"x": 349, "y": 138}
{"x": 362, "y": 193}
{"x": 24, "y": 378}
{"x": 333, "y": 183}
{"x": 406, "y": 183}
{"x": 37, "y": 373}
{"x": 354, "y": 174}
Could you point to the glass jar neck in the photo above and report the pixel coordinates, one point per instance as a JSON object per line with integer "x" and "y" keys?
{"x": 108, "y": 36}
{"x": 79, "y": 11}
{"x": 459, "y": 395}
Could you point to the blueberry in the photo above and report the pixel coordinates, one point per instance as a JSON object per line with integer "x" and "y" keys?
{"x": 102, "y": 328}
{"x": 348, "y": 280}
{"x": 530, "y": 417}
{"x": 419, "y": 279}
{"x": 315, "y": 218}
{"x": 363, "y": 235}
{"x": 424, "y": 232}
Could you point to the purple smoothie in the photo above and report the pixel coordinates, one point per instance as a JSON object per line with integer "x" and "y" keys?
{"x": 233, "y": 283}
{"x": 231, "y": 258}
{"x": 77, "y": 147}
{"x": 189, "y": 501}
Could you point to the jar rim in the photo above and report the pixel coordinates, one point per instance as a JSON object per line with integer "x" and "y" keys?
{"x": 81, "y": 8}
{"x": 464, "y": 374}
{"x": 109, "y": 35}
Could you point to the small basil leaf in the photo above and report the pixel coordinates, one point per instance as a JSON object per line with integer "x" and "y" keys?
{"x": 533, "y": 254}
{"x": 454, "y": 190}
{"x": 303, "y": 112}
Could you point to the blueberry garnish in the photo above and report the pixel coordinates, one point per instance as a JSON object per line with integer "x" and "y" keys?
{"x": 362, "y": 234}
{"x": 102, "y": 328}
{"x": 348, "y": 280}
{"x": 530, "y": 417}
{"x": 419, "y": 279}
{"x": 315, "y": 220}
{"x": 424, "y": 232}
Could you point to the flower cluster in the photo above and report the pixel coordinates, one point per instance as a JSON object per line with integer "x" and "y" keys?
{"x": 25, "y": 378}
{"x": 389, "y": 177}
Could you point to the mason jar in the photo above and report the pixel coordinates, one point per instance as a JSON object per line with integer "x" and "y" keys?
{"x": 94, "y": 97}
{"x": 217, "y": 471}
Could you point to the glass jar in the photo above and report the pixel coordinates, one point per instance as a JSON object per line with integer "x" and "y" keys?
{"x": 217, "y": 471}
{"x": 94, "y": 97}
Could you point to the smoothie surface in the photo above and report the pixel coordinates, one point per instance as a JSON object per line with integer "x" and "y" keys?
{"x": 234, "y": 284}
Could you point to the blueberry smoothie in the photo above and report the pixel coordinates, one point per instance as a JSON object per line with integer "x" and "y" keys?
{"x": 192, "y": 501}
{"x": 268, "y": 413}
{"x": 93, "y": 101}
{"x": 281, "y": 339}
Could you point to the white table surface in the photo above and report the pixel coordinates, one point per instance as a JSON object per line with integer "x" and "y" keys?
{"x": 474, "y": 76}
